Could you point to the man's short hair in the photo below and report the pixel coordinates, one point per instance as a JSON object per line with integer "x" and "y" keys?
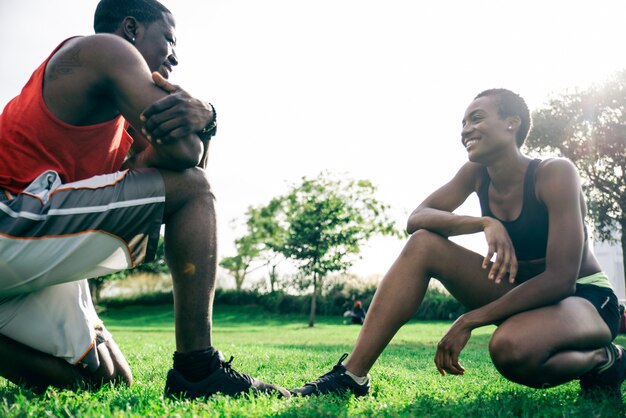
{"x": 511, "y": 104}
{"x": 110, "y": 13}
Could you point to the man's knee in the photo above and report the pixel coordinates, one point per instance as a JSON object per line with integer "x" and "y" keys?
{"x": 186, "y": 185}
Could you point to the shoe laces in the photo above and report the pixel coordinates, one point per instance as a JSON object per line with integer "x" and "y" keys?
{"x": 228, "y": 369}
{"x": 329, "y": 377}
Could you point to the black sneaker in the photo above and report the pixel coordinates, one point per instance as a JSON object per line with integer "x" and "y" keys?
{"x": 224, "y": 380}
{"x": 336, "y": 381}
{"x": 608, "y": 382}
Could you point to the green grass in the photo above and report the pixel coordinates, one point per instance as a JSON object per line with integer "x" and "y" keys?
{"x": 283, "y": 350}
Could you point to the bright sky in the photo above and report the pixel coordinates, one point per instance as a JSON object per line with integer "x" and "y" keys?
{"x": 373, "y": 89}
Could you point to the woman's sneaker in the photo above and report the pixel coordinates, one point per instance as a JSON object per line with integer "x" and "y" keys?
{"x": 336, "y": 381}
{"x": 607, "y": 382}
{"x": 224, "y": 379}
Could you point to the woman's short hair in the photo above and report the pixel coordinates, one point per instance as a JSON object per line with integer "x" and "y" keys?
{"x": 511, "y": 104}
{"x": 110, "y": 13}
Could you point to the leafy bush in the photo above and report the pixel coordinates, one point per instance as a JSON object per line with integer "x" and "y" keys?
{"x": 147, "y": 299}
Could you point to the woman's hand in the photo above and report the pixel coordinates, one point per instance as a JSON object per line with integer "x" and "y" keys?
{"x": 499, "y": 243}
{"x": 450, "y": 346}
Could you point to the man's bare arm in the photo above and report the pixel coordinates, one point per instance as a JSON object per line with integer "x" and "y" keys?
{"x": 120, "y": 72}
{"x": 193, "y": 117}
{"x": 178, "y": 114}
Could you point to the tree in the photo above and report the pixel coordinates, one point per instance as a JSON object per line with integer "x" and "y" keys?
{"x": 588, "y": 126}
{"x": 263, "y": 233}
{"x": 327, "y": 221}
{"x": 267, "y": 225}
{"x": 239, "y": 265}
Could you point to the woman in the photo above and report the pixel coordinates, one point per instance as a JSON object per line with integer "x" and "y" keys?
{"x": 556, "y": 312}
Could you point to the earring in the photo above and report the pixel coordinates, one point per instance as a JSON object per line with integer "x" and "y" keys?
{"x": 510, "y": 127}
{"x": 132, "y": 40}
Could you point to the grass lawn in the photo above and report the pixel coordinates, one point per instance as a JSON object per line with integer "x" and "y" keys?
{"x": 283, "y": 350}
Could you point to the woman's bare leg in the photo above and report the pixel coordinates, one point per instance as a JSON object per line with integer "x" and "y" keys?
{"x": 402, "y": 290}
{"x": 550, "y": 345}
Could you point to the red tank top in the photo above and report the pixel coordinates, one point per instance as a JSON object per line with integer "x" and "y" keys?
{"x": 33, "y": 140}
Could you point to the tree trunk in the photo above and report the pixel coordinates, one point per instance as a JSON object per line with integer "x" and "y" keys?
{"x": 313, "y": 302}
{"x": 239, "y": 278}
{"x": 623, "y": 232}
{"x": 93, "y": 289}
{"x": 273, "y": 278}
{"x": 95, "y": 286}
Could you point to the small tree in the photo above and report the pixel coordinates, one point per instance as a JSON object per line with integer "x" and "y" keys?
{"x": 267, "y": 226}
{"x": 263, "y": 232}
{"x": 589, "y": 127}
{"x": 327, "y": 222}
{"x": 239, "y": 265}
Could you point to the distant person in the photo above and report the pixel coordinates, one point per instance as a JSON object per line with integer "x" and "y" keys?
{"x": 94, "y": 157}
{"x": 356, "y": 315}
{"x": 556, "y": 312}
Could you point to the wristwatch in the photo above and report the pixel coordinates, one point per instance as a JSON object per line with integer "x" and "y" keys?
{"x": 210, "y": 130}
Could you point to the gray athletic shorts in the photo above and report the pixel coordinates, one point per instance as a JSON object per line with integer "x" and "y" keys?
{"x": 53, "y": 236}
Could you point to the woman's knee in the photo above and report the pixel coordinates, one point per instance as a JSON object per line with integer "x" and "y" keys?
{"x": 422, "y": 243}
{"x": 512, "y": 357}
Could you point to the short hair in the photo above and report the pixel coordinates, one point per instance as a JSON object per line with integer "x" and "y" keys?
{"x": 511, "y": 104}
{"x": 110, "y": 13}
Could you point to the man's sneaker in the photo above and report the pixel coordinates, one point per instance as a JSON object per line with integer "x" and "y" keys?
{"x": 609, "y": 381}
{"x": 224, "y": 380}
{"x": 336, "y": 381}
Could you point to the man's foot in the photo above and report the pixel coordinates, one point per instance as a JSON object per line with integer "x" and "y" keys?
{"x": 224, "y": 379}
{"x": 336, "y": 381}
{"x": 608, "y": 381}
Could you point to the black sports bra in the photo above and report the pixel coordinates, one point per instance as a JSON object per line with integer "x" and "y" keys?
{"x": 529, "y": 232}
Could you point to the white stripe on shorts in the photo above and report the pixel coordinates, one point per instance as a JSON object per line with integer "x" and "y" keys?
{"x": 77, "y": 211}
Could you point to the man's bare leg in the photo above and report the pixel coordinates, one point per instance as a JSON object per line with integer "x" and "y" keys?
{"x": 28, "y": 367}
{"x": 34, "y": 369}
{"x": 190, "y": 249}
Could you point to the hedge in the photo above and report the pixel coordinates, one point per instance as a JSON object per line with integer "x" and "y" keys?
{"x": 436, "y": 305}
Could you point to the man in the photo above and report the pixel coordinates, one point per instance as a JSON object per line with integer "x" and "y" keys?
{"x": 67, "y": 213}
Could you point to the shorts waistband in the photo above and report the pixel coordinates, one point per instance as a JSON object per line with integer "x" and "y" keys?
{"x": 597, "y": 279}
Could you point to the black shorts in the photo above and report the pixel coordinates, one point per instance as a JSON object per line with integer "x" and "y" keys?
{"x": 605, "y": 301}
